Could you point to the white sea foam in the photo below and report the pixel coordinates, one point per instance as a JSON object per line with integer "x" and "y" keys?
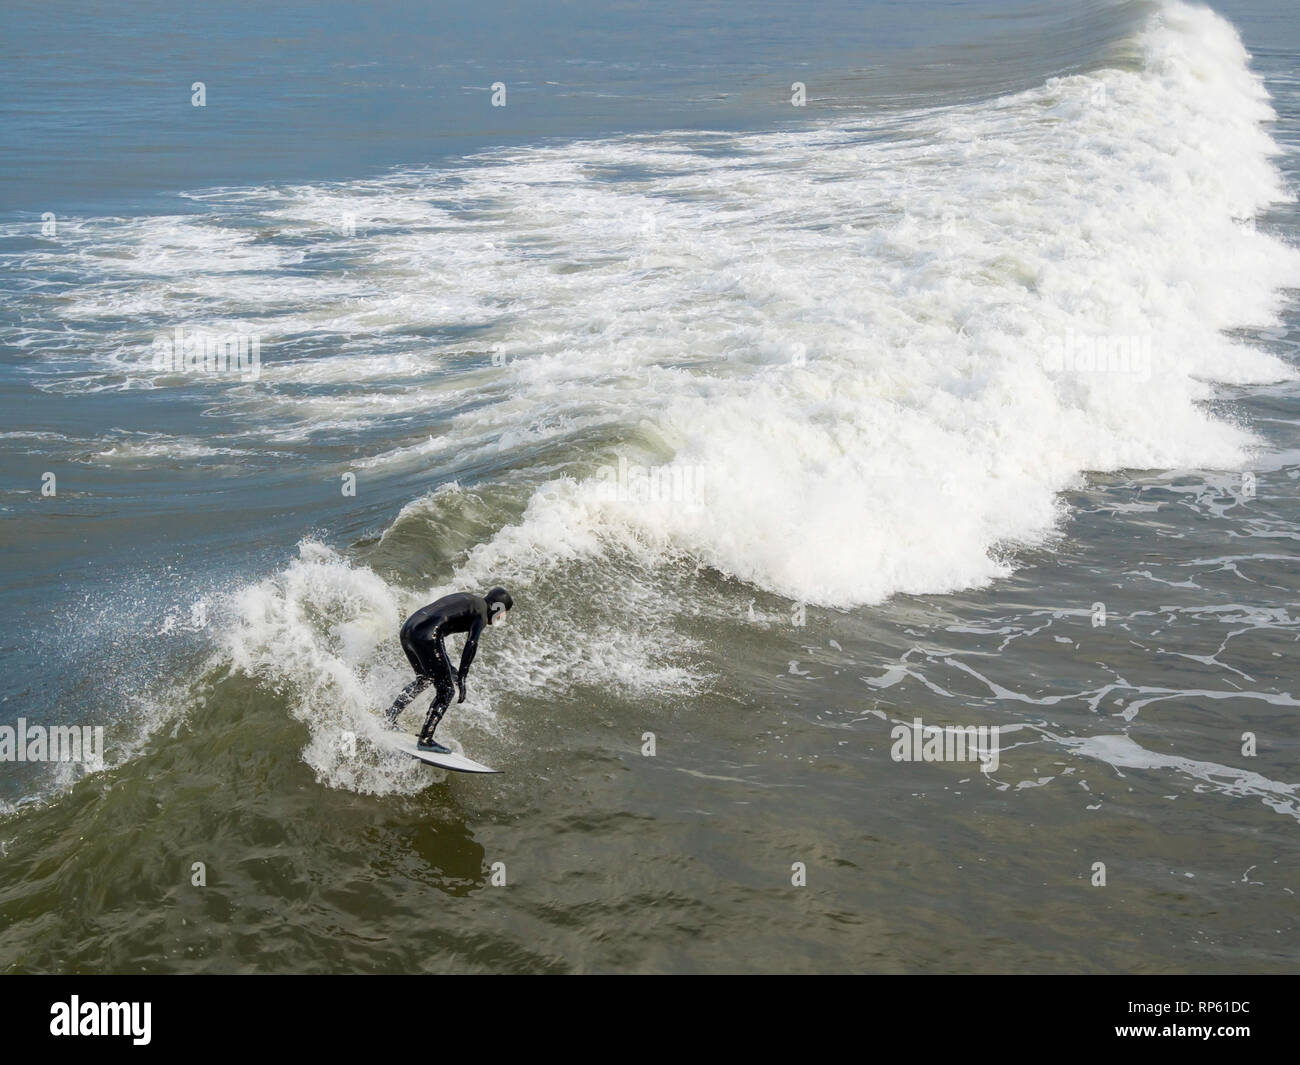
{"x": 919, "y": 281}
{"x": 322, "y": 632}
{"x": 1122, "y": 752}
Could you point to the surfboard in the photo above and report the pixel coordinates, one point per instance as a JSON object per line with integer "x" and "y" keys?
{"x": 401, "y": 741}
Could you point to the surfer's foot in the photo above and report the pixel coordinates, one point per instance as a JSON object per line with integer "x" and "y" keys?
{"x": 432, "y": 745}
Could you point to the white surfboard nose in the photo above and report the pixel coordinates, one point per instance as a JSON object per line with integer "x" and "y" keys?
{"x": 401, "y": 741}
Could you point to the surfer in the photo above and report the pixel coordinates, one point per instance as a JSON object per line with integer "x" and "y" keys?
{"x": 422, "y": 637}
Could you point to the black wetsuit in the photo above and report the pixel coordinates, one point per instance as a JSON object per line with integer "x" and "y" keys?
{"x": 422, "y": 637}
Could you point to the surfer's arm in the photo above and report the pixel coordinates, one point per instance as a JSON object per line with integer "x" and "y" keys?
{"x": 467, "y": 657}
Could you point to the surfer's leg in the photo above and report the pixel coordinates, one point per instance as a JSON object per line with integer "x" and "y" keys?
{"x": 408, "y": 693}
{"x": 440, "y": 668}
{"x": 411, "y": 645}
